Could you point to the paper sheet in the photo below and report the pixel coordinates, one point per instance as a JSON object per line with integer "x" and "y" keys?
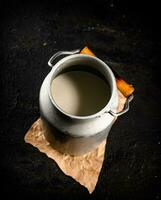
{"x": 84, "y": 169}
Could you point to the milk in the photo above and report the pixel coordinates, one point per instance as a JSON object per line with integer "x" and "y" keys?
{"x": 80, "y": 93}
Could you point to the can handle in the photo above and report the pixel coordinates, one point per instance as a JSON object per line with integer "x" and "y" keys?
{"x": 125, "y": 109}
{"x": 59, "y": 53}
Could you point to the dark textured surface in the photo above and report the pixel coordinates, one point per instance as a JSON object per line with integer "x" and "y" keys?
{"x": 130, "y": 42}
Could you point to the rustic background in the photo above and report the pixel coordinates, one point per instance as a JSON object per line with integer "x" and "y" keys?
{"x": 127, "y": 36}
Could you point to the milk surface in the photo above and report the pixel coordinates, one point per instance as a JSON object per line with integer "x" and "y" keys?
{"x": 80, "y": 93}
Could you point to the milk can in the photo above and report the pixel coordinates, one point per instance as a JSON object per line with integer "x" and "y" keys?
{"x": 78, "y": 135}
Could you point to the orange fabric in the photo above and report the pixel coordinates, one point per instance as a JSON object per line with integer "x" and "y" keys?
{"x": 125, "y": 88}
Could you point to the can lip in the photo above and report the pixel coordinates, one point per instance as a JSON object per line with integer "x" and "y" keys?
{"x": 105, "y": 109}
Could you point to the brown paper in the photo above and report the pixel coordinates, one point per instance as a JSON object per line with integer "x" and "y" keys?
{"x": 84, "y": 169}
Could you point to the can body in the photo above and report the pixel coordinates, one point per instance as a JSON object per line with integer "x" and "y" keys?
{"x": 77, "y": 135}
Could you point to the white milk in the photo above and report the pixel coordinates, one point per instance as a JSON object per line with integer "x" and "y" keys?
{"x": 80, "y": 93}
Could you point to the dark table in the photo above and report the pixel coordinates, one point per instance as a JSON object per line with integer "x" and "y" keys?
{"x": 119, "y": 34}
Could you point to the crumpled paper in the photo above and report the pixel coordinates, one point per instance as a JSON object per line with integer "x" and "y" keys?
{"x": 84, "y": 169}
